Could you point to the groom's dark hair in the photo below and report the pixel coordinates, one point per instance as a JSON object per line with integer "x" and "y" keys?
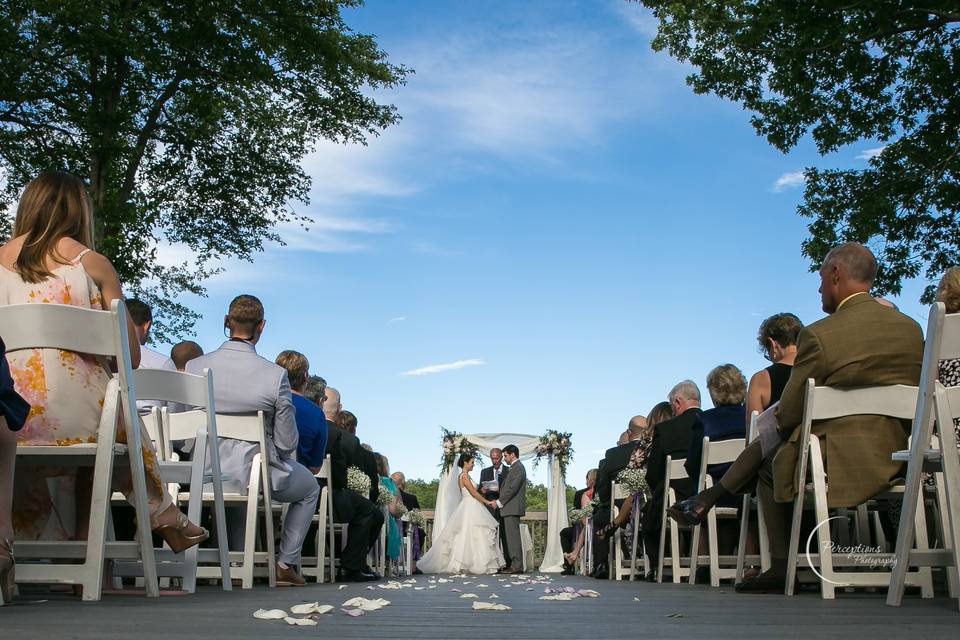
{"x": 512, "y": 450}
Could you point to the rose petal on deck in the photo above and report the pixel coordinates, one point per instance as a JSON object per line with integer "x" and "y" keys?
{"x": 303, "y": 622}
{"x": 269, "y": 614}
{"x": 469, "y": 595}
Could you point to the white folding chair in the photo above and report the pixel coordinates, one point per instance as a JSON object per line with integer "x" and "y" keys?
{"x": 326, "y": 529}
{"x": 748, "y": 502}
{"x": 824, "y": 403}
{"x": 175, "y": 388}
{"x": 99, "y": 333}
{"x": 248, "y": 563}
{"x": 674, "y": 471}
{"x": 585, "y": 558}
{"x": 942, "y": 404}
{"x": 617, "y": 568}
{"x": 714, "y": 453}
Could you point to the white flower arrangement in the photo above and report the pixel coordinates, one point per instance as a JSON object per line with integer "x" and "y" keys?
{"x": 416, "y": 518}
{"x": 384, "y": 497}
{"x": 453, "y": 445}
{"x": 635, "y": 480}
{"x": 557, "y": 444}
{"x": 358, "y": 481}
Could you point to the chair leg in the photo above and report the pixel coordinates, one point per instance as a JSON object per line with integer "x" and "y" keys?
{"x": 713, "y": 546}
{"x": 824, "y": 541}
{"x": 925, "y": 575}
{"x": 742, "y": 540}
{"x": 795, "y": 533}
{"x": 675, "y": 551}
{"x": 250, "y": 536}
{"x": 694, "y": 553}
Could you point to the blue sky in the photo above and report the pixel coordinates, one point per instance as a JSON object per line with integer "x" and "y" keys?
{"x": 557, "y": 214}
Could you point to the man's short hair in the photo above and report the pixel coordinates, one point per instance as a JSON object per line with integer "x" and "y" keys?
{"x": 726, "y": 385}
{"x": 512, "y": 450}
{"x": 184, "y": 352}
{"x": 855, "y": 260}
{"x": 402, "y": 478}
{"x": 346, "y": 421}
{"x": 245, "y": 313}
{"x": 686, "y": 389}
{"x": 314, "y": 389}
{"x": 637, "y": 426}
{"x": 297, "y": 367}
{"x": 139, "y": 311}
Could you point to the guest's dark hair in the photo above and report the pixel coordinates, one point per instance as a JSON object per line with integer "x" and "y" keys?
{"x": 184, "y": 352}
{"x": 512, "y": 450}
{"x": 783, "y": 328}
{"x": 314, "y": 390}
{"x": 463, "y": 459}
{"x": 346, "y": 421}
{"x": 139, "y": 311}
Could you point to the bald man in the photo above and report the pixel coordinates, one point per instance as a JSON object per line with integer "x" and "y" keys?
{"x": 331, "y": 404}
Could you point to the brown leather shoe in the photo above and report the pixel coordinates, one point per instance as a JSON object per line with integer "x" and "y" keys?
{"x": 511, "y": 571}
{"x": 690, "y": 512}
{"x": 288, "y": 577}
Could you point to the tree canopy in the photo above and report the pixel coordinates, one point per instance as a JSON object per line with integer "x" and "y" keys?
{"x": 188, "y": 119}
{"x": 842, "y": 72}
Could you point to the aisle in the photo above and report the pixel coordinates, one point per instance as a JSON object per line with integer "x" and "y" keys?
{"x": 663, "y": 611}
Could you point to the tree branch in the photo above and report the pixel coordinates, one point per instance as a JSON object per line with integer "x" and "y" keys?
{"x": 150, "y": 125}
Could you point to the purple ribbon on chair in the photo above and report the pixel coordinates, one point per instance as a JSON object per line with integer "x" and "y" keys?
{"x": 415, "y": 534}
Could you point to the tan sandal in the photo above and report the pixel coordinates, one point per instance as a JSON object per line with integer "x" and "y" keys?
{"x": 175, "y": 535}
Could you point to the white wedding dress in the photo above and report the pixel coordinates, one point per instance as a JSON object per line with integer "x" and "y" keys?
{"x": 469, "y": 542}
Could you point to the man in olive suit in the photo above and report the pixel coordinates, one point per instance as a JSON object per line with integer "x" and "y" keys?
{"x": 512, "y": 505}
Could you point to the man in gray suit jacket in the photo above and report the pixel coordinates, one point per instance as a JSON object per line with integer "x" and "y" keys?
{"x": 513, "y": 506}
{"x": 244, "y": 383}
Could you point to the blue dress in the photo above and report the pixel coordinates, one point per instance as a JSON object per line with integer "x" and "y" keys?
{"x": 393, "y": 531}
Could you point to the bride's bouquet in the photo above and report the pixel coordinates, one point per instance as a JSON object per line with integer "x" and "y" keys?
{"x": 358, "y": 481}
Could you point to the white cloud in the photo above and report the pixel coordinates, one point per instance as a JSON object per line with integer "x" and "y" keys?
{"x": 638, "y": 17}
{"x": 333, "y": 233}
{"x": 439, "y": 368}
{"x": 397, "y": 319}
{"x": 869, "y": 154}
{"x": 789, "y": 180}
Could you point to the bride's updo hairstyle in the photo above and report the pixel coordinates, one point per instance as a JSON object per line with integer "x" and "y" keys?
{"x": 462, "y": 460}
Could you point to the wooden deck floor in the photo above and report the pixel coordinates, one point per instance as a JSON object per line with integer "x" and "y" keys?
{"x": 660, "y": 611}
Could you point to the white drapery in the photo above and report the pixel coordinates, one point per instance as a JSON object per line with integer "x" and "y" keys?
{"x": 448, "y": 494}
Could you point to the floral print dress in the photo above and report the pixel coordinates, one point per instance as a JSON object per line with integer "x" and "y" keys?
{"x": 66, "y": 393}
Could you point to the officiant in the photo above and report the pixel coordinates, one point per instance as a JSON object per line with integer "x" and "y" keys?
{"x": 489, "y": 488}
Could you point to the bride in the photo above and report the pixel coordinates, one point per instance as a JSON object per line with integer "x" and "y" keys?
{"x": 468, "y": 542}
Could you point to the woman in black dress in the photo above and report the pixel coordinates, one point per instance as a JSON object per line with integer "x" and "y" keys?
{"x": 778, "y": 344}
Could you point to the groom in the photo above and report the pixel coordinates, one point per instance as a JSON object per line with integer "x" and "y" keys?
{"x": 512, "y": 505}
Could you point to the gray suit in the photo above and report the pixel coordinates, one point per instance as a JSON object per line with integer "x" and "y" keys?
{"x": 244, "y": 383}
{"x": 513, "y": 506}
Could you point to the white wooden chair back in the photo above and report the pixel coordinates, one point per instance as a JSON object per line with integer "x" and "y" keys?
{"x": 719, "y": 452}
{"x": 674, "y": 470}
{"x": 824, "y": 403}
{"x": 942, "y": 343}
{"x": 102, "y": 334}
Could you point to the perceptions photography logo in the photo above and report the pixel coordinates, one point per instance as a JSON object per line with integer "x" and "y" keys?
{"x": 856, "y": 553}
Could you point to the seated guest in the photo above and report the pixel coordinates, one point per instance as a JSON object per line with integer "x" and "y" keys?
{"x": 861, "y": 343}
{"x": 670, "y": 438}
{"x": 331, "y": 403}
{"x": 948, "y": 292}
{"x": 315, "y": 390}
{"x": 244, "y": 383}
{"x": 778, "y": 342}
{"x": 638, "y": 460}
{"x": 572, "y": 538}
{"x": 411, "y": 502}
{"x": 727, "y": 388}
{"x": 393, "y": 527}
{"x": 184, "y": 352}
{"x": 49, "y": 261}
{"x": 614, "y": 461}
{"x": 348, "y": 422}
{"x": 142, "y": 316}
{"x": 311, "y": 423}
{"x": 362, "y": 515}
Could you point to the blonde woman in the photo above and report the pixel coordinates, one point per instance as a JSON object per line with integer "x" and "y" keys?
{"x": 49, "y": 261}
